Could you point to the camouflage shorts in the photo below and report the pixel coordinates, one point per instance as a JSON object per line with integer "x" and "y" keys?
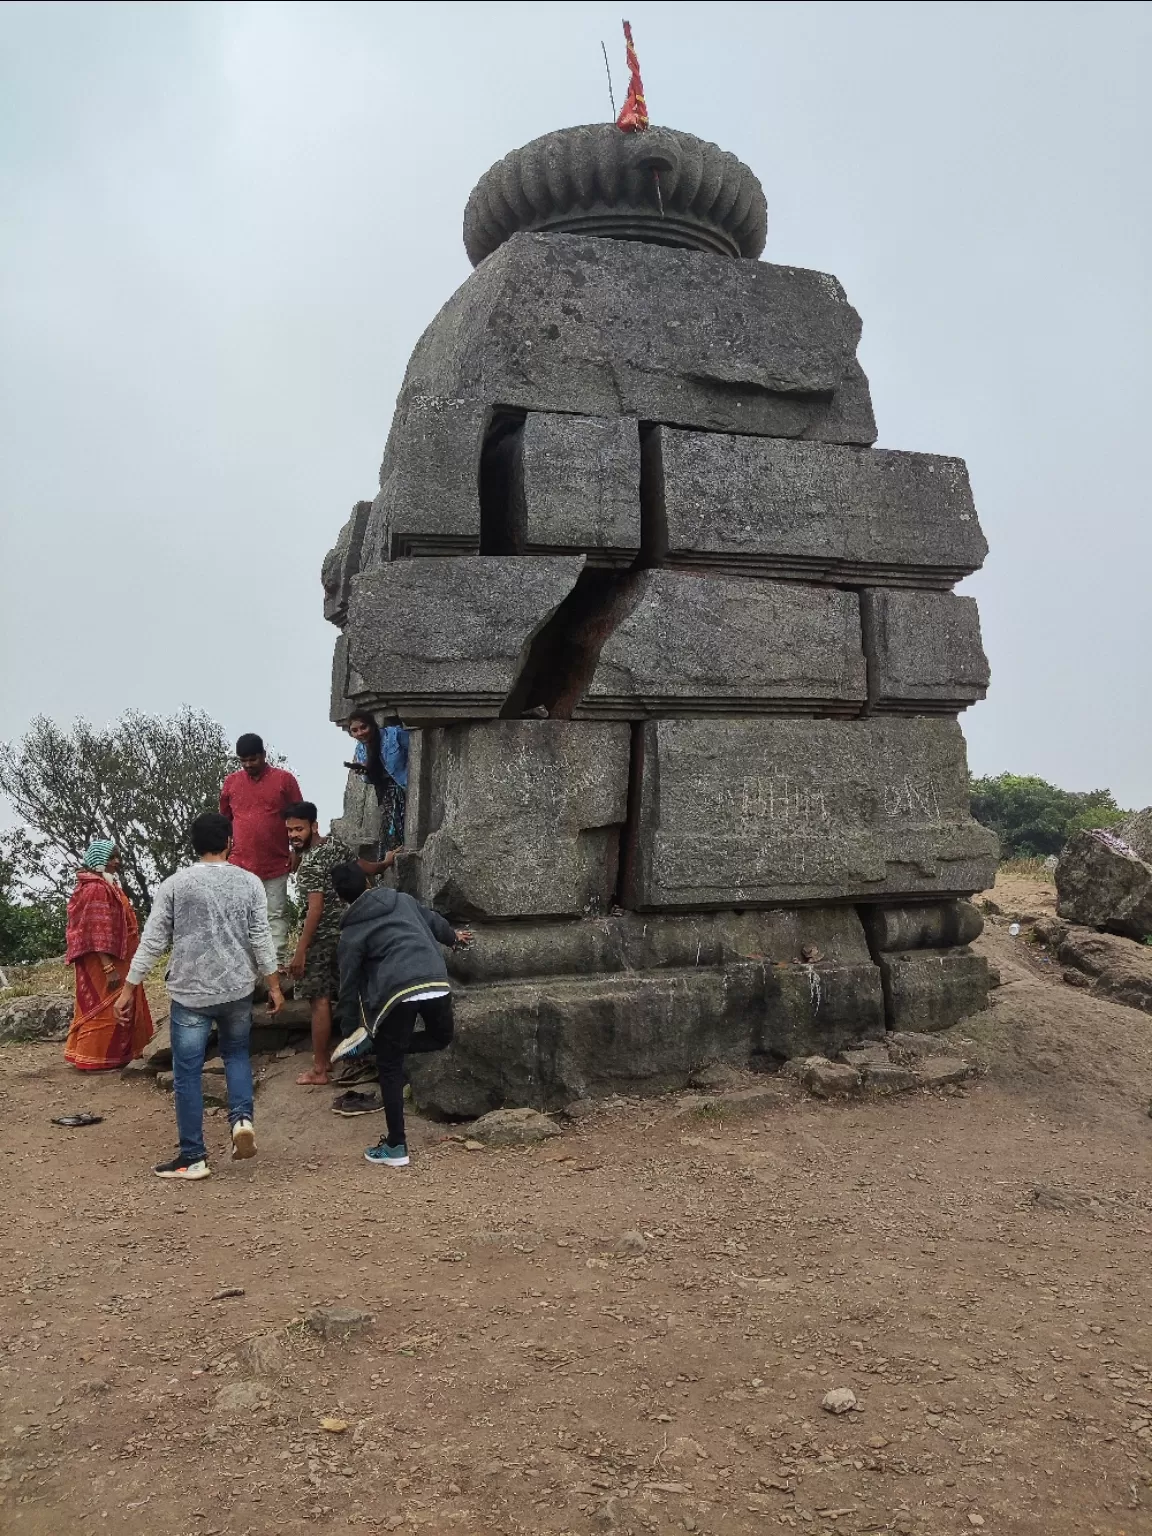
{"x": 321, "y": 976}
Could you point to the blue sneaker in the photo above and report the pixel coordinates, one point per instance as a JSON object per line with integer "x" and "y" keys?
{"x": 358, "y": 1043}
{"x": 385, "y": 1156}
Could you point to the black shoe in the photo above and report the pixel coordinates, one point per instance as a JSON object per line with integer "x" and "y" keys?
{"x": 182, "y": 1168}
{"x": 349, "y": 1104}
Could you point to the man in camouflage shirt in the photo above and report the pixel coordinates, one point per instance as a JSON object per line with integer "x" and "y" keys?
{"x": 313, "y": 966}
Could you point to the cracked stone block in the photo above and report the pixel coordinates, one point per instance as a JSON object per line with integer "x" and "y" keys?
{"x": 547, "y": 1043}
{"x": 447, "y": 638}
{"x": 924, "y": 651}
{"x": 343, "y": 562}
{"x": 599, "y": 327}
{"x": 926, "y": 925}
{"x": 576, "y": 485}
{"x": 744, "y": 812}
{"x": 516, "y": 818}
{"x": 929, "y": 990}
{"x": 692, "y": 644}
{"x": 758, "y": 505}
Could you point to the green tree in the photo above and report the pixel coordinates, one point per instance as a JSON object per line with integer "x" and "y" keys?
{"x": 31, "y": 923}
{"x": 140, "y": 781}
{"x": 1033, "y": 818}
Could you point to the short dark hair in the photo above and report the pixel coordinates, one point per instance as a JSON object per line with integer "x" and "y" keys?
{"x": 300, "y": 810}
{"x": 348, "y": 881}
{"x": 249, "y": 745}
{"x": 210, "y": 832}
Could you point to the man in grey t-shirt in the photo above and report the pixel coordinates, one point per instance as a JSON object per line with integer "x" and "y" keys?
{"x": 213, "y": 917}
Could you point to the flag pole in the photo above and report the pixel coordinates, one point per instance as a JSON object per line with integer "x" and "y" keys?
{"x": 608, "y": 72}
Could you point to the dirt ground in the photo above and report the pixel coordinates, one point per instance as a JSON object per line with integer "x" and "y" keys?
{"x": 974, "y": 1266}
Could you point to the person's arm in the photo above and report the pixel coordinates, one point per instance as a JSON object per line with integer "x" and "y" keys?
{"x": 443, "y": 931}
{"x": 377, "y": 867}
{"x": 225, "y": 801}
{"x": 311, "y": 922}
{"x": 263, "y": 947}
{"x": 155, "y": 942}
{"x": 350, "y": 958}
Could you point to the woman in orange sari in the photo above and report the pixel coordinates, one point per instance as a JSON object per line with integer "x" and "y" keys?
{"x": 102, "y": 937}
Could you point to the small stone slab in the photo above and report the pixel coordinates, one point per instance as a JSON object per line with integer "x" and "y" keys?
{"x": 866, "y": 1058}
{"x": 831, "y": 1080}
{"x": 925, "y": 654}
{"x": 338, "y": 1322}
{"x": 941, "y": 1071}
{"x": 888, "y": 1077}
{"x": 696, "y": 645}
{"x": 816, "y": 511}
{"x": 512, "y": 1127}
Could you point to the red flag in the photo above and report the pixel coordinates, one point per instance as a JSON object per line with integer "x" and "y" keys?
{"x": 634, "y": 113}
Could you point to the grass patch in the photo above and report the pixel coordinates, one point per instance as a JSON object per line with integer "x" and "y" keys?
{"x": 1028, "y": 869}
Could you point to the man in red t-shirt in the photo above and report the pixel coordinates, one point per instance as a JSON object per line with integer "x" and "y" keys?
{"x": 254, "y": 799}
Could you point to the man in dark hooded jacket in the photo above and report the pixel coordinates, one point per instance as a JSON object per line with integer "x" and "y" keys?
{"x": 391, "y": 974}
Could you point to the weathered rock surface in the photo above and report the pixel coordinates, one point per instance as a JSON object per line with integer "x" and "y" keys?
{"x": 1112, "y": 966}
{"x": 238, "y": 1399}
{"x": 610, "y": 327}
{"x": 512, "y": 1127}
{"x": 429, "y": 499}
{"x": 629, "y": 941}
{"x": 831, "y": 1079}
{"x": 925, "y": 925}
{"x": 928, "y": 990}
{"x": 516, "y": 818}
{"x": 576, "y": 487}
{"x": 547, "y": 1043}
{"x": 1099, "y": 885}
{"x": 35, "y": 1018}
{"x": 337, "y": 1322}
{"x": 447, "y": 638}
{"x": 815, "y": 510}
{"x": 695, "y": 645}
{"x": 924, "y": 651}
{"x": 1136, "y": 831}
{"x": 942, "y": 1071}
{"x": 360, "y": 824}
{"x": 757, "y": 812}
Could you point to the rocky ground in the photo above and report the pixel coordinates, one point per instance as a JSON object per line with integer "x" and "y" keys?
{"x": 630, "y": 1327}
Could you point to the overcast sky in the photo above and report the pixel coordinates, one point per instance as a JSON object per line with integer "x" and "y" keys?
{"x": 225, "y": 226}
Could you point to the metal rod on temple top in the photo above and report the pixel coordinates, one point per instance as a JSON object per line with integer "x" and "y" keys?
{"x": 608, "y": 72}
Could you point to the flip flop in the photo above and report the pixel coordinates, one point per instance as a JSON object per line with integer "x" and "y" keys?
{"x": 73, "y": 1120}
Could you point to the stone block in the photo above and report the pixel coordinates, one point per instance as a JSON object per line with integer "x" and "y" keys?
{"x": 927, "y": 925}
{"x": 429, "y": 500}
{"x": 755, "y": 505}
{"x": 576, "y": 486}
{"x": 924, "y": 651}
{"x": 942, "y": 1071}
{"x": 831, "y": 1080}
{"x": 887, "y": 1077}
{"x": 600, "y": 327}
{"x": 929, "y": 990}
{"x": 1100, "y": 883}
{"x": 1114, "y": 967}
{"x": 447, "y": 638}
{"x": 343, "y": 562}
{"x": 517, "y": 818}
{"x": 546, "y": 1043}
{"x": 360, "y": 823}
{"x": 739, "y": 812}
{"x": 628, "y": 941}
{"x": 691, "y": 644}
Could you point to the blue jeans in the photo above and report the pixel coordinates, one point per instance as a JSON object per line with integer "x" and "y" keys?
{"x": 190, "y": 1031}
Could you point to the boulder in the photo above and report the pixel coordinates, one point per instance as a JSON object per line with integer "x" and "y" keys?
{"x": 336, "y": 1322}
{"x": 447, "y": 638}
{"x": 831, "y": 1079}
{"x": 360, "y": 824}
{"x": 599, "y": 327}
{"x": 1136, "y": 831}
{"x": 814, "y": 511}
{"x": 1101, "y": 883}
{"x": 924, "y": 651}
{"x": 576, "y": 487}
{"x": 739, "y": 812}
{"x": 512, "y": 1127}
{"x": 35, "y": 1018}
{"x": 1112, "y": 966}
{"x": 941, "y": 1071}
{"x": 704, "y": 645}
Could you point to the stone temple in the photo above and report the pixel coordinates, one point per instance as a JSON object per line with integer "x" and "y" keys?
{"x": 679, "y": 648}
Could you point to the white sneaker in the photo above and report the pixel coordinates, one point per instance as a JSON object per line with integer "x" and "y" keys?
{"x": 358, "y": 1043}
{"x": 243, "y": 1140}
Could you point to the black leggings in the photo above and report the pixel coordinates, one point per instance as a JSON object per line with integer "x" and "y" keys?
{"x": 396, "y": 1039}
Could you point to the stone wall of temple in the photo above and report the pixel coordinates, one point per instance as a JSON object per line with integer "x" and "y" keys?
{"x": 682, "y": 660}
